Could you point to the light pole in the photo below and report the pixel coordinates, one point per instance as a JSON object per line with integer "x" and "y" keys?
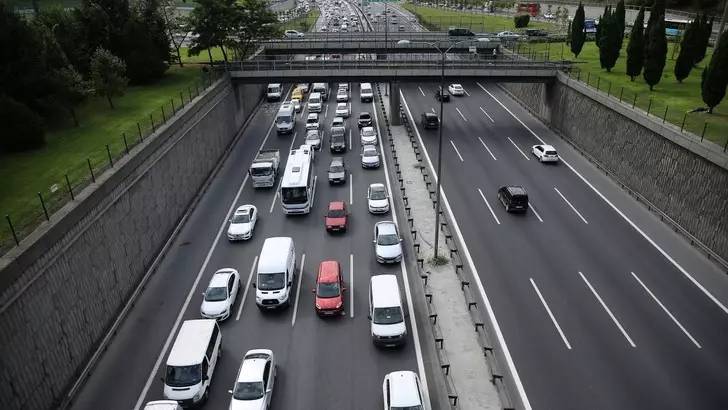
{"x": 442, "y": 116}
{"x": 386, "y": 43}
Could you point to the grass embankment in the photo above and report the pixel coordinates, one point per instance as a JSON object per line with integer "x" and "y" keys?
{"x": 303, "y": 23}
{"x": 67, "y": 148}
{"x": 438, "y": 19}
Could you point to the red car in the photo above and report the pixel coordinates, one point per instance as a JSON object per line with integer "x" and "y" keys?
{"x": 329, "y": 291}
{"x": 337, "y": 217}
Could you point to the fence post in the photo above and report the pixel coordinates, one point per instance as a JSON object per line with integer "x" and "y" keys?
{"x": 588, "y": 77}
{"x": 12, "y": 229}
{"x": 634, "y": 101}
{"x": 683, "y": 123}
{"x": 599, "y": 80}
{"x": 151, "y": 119}
{"x": 649, "y": 106}
{"x": 108, "y": 152}
{"x": 42, "y": 203}
{"x": 725, "y": 145}
{"x": 609, "y": 90}
{"x": 164, "y": 115}
{"x": 665, "y": 114}
{"x": 126, "y": 145}
{"x": 173, "y": 109}
{"x": 620, "y": 94}
{"x": 703, "y": 134}
{"x": 182, "y": 99}
{"x": 70, "y": 189}
{"x": 90, "y": 168}
{"x": 189, "y": 92}
{"x": 139, "y": 128}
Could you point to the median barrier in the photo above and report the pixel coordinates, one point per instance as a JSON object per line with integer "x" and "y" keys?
{"x": 444, "y": 361}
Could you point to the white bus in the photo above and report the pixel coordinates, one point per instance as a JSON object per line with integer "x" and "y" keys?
{"x": 298, "y": 186}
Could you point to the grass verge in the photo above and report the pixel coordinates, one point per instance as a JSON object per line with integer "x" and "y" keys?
{"x": 438, "y": 20}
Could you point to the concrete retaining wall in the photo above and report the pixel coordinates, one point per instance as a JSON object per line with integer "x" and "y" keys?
{"x": 64, "y": 286}
{"x": 684, "y": 178}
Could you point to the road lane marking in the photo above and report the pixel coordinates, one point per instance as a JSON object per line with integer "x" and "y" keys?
{"x": 456, "y": 151}
{"x": 468, "y": 257}
{"x": 551, "y": 315}
{"x": 351, "y": 188}
{"x": 461, "y": 114}
{"x": 664, "y": 253}
{"x": 350, "y": 138}
{"x": 486, "y": 114}
{"x": 668, "y": 312}
{"x": 533, "y": 208}
{"x": 433, "y": 110}
{"x": 488, "y": 149}
{"x": 519, "y": 150}
{"x": 298, "y": 290}
{"x": 421, "y": 92}
{"x": 351, "y": 285}
{"x": 604, "y": 305}
{"x": 326, "y": 113}
{"x": 488, "y": 205}
{"x": 466, "y": 92}
{"x": 247, "y": 286}
{"x": 570, "y": 205}
{"x": 275, "y": 196}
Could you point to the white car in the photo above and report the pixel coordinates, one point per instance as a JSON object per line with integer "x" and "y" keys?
{"x": 314, "y": 138}
{"x": 345, "y": 86}
{"x": 368, "y": 136}
{"x": 296, "y": 104}
{"x": 163, "y": 405}
{"x": 508, "y": 35}
{"x": 377, "y": 199}
{"x": 242, "y": 223}
{"x": 312, "y": 122}
{"x": 342, "y": 95}
{"x": 403, "y": 390}
{"x": 338, "y": 122}
{"x": 254, "y": 384}
{"x": 545, "y": 153}
{"x": 456, "y": 89}
{"x": 343, "y": 109}
{"x": 387, "y": 243}
{"x": 292, "y": 34}
{"x": 303, "y": 87}
{"x": 369, "y": 156}
{"x": 219, "y": 297}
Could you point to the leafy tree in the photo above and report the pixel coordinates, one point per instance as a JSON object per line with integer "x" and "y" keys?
{"x": 521, "y": 20}
{"x": 715, "y": 76}
{"x": 655, "y": 45}
{"x": 608, "y": 40}
{"x": 108, "y": 75}
{"x": 635, "y": 47}
{"x": 213, "y": 21}
{"x": 688, "y": 47}
{"x": 22, "y": 128}
{"x": 147, "y": 50}
{"x": 68, "y": 32}
{"x": 578, "y": 35}
{"x": 72, "y": 90}
{"x": 254, "y": 22}
{"x": 619, "y": 15}
{"x": 176, "y": 24}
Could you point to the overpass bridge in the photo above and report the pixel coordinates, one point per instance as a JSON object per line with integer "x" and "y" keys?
{"x": 377, "y": 45}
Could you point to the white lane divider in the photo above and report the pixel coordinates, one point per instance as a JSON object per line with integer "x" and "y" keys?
{"x": 351, "y": 188}
{"x": 456, "y": 151}
{"x": 461, "y": 114}
{"x": 692, "y": 339}
{"x": 604, "y": 305}
{"x": 551, "y": 315}
{"x": 487, "y": 149}
{"x": 350, "y": 138}
{"x": 533, "y": 208}
{"x": 326, "y": 112}
{"x": 489, "y": 207}
{"x": 275, "y": 196}
{"x": 298, "y": 289}
{"x": 570, "y": 205}
{"x": 421, "y": 92}
{"x": 351, "y": 285}
{"x": 519, "y": 150}
{"x": 486, "y": 114}
{"x": 247, "y": 286}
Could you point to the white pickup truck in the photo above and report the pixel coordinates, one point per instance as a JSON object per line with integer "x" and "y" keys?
{"x": 264, "y": 169}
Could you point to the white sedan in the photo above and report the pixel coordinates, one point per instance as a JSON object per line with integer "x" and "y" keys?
{"x": 377, "y": 199}
{"x": 312, "y": 122}
{"x": 296, "y": 104}
{"x": 254, "y": 384}
{"x": 342, "y": 95}
{"x": 456, "y": 89}
{"x": 402, "y": 390}
{"x": 242, "y": 223}
{"x": 343, "y": 109}
{"x": 368, "y": 136}
{"x": 369, "y": 156}
{"x": 545, "y": 153}
{"x": 387, "y": 243}
{"x": 219, "y": 297}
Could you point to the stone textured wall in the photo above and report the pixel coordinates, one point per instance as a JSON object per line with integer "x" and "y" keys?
{"x": 650, "y": 158}
{"x": 63, "y": 288}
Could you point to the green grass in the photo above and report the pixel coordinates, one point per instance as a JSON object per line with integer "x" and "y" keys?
{"x": 68, "y": 147}
{"x": 439, "y": 19}
{"x": 303, "y": 23}
{"x": 677, "y": 98}
{"x": 203, "y": 56}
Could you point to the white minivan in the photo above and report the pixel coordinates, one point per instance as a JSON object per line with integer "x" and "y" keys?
{"x": 386, "y": 314}
{"x": 273, "y": 92}
{"x": 314, "y": 102}
{"x": 192, "y": 362}
{"x": 321, "y": 88}
{"x": 365, "y": 92}
{"x": 276, "y": 272}
{"x": 286, "y": 119}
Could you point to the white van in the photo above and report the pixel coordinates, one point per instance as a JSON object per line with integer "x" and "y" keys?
{"x": 273, "y": 92}
{"x": 276, "y": 272}
{"x": 162, "y": 405}
{"x": 323, "y": 89}
{"x": 314, "y": 102}
{"x": 286, "y": 118}
{"x": 192, "y": 361}
{"x": 388, "y": 326}
{"x": 365, "y": 92}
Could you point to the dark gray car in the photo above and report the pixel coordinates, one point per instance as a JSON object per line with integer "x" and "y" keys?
{"x": 337, "y": 171}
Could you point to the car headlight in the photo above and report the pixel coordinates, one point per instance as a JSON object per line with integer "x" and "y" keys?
{"x": 338, "y": 306}
{"x": 318, "y": 306}
{"x": 196, "y": 396}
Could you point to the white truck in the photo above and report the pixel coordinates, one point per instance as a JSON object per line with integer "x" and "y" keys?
{"x": 264, "y": 168}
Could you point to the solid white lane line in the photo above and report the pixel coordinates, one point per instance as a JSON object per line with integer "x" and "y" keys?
{"x": 604, "y": 305}
{"x": 487, "y": 149}
{"x": 468, "y": 257}
{"x": 456, "y": 151}
{"x": 620, "y": 213}
{"x": 570, "y": 205}
{"x": 350, "y": 146}
{"x": 351, "y": 188}
{"x": 247, "y": 286}
{"x": 403, "y": 265}
{"x": 533, "y": 208}
{"x": 488, "y": 205}
{"x": 421, "y": 92}
{"x": 351, "y": 284}
{"x": 667, "y": 311}
{"x": 461, "y": 114}
{"x": 519, "y": 150}
{"x": 551, "y": 315}
{"x": 298, "y": 290}
{"x": 486, "y": 114}
{"x": 466, "y": 92}
{"x": 275, "y": 196}
{"x": 326, "y": 113}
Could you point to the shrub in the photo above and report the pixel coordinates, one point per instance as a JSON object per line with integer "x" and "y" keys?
{"x": 521, "y": 20}
{"x": 23, "y": 129}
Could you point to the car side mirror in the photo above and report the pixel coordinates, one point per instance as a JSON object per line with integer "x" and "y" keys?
{"x": 205, "y": 377}
{"x": 289, "y": 283}
{"x": 269, "y": 390}
{"x": 343, "y": 289}
{"x": 230, "y": 392}
{"x": 313, "y": 290}
{"x": 254, "y": 285}
{"x": 369, "y": 317}
{"x": 400, "y": 239}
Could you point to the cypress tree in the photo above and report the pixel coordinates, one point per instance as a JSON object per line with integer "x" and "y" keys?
{"x": 635, "y": 48}
{"x": 702, "y": 39}
{"x": 619, "y": 15}
{"x": 609, "y": 42}
{"x": 578, "y": 36}
{"x": 602, "y": 19}
{"x": 715, "y": 76}
{"x": 655, "y": 45}
{"x": 688, "y": 46}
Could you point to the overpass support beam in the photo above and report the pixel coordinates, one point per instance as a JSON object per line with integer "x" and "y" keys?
{"x": 394, "y": 103}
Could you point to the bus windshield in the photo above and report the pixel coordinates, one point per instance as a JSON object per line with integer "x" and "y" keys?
{"x": 297, "y": 195}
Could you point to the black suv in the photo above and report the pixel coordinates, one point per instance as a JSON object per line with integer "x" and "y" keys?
{"x": 365, "y": 120}
{"x": 458, "y": 31}
{"x": 442, "y": 95}
{"x": 430, "y": 120}
{"x": 337, "y": 143}
{"x": 513, "y": 198}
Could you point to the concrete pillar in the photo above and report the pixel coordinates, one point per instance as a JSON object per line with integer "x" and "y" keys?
{"x": 394, "y": 103}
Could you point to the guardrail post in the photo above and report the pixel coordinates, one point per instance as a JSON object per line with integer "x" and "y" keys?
{"x": 90, "y": 168}
{"x": 665, "y": 114}
{"x": 42, "y": 203}
{"x": 634, "y": 101}
{"x": 126, "y": 145}
{"x": 151, "y": 119}
{"x": 164, "y": 115}
{"x": 173, "y": 109}
{"x": 620, "y": 94}
{"x": 12, "y": 230}
{"x": 649, "y": 106}
{"x": 70, "y": 189}
{"x": 139, "y": 128}
{"x": 108, "y": 151}
{"x": 702, "y": 135}
{"x": 683, "y": 123}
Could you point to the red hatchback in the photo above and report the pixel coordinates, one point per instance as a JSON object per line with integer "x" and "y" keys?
{"x": 337, "y": 217}
{"x": 329, "y": 291}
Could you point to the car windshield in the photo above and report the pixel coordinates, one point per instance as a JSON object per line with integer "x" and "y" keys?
{"x": 387, "y": 240}
{"x": 283, "y": 119}
{"x": 336, "y": 168}
{"x": 370, "y": 153}
{"x": 337, "y": 213}
{"x": 271, "y": 281}
{"x": 182, "y": 376}
{"x": 296, "y": 195}
{"x": 417, "y": 407}
{"x": 216, "y": 294}
{"x": 312, "y": 120}
{"x": 337, "y": 131}
{"x": 368, "y": 133}
{"x": 260, "y": 172}
{"x": 365, "y": 117}
{"x": 387, "y": 315}
{"x": 312, "y": 136}
{"x": 241, "y": 218}
{"x": 550, "y": 152}
{"x": 248, "y": 390}
{"x": 378, "y": 193}
{"x": 327, "y": 290}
